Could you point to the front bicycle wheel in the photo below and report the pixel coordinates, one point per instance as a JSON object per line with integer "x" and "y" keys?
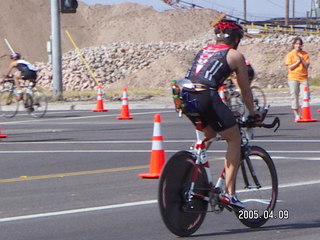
{"x": 39, "y": 104}
{"x": 9, "y": 104}
{"x": 257, "y": 187}
{"x": 259, "y": 98}
{"x": 181, "y": 217}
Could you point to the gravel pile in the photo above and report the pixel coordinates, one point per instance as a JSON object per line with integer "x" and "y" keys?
{"x": 113, "y": 62}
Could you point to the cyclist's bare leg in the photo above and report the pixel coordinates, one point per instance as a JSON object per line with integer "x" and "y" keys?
{"x": 209, "y": 133}
{"x": 16, "y": 78}
{"x": 232, "y": 159}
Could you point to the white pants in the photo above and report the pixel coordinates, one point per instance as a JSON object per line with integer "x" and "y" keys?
{"x": 295, "y": 88}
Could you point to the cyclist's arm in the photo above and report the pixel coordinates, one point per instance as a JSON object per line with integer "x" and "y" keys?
{"x": 11, "y": 67}
{"x": 237, "y": 63}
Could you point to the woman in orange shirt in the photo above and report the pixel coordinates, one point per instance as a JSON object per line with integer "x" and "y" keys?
{"x": 297, "y": 62}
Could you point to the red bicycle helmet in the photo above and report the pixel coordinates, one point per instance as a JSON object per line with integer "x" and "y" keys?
{"x": 228, "y": 29}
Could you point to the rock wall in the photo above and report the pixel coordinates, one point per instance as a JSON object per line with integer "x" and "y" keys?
{"x": 133, "y": 64}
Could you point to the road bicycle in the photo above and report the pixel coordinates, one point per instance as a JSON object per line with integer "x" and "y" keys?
{"x": 187, "y": 191}
{"x": 233, "y": 98}
{"x": 34, "y": 100}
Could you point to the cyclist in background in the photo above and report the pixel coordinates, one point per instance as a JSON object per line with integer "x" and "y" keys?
{"x": 250, "y": 70}
{"x": 251, "y": 75}
{"x": 211, "y": 67}
{"x": 26, "y": 71}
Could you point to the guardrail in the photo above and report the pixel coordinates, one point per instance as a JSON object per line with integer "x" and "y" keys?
{"x": 257, "y": 29}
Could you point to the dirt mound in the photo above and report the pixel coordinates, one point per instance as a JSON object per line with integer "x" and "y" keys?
{"x": 157, "y": 74}
{"x": 28, "y": 25}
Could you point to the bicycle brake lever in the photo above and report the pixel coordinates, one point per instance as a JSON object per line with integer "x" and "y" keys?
{"x": 276, "y": 121}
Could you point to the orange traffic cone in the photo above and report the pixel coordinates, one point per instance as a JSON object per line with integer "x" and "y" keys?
{"x": 125, "y": 112}
{"x": 221, "y": 94}
{"x": 99, "y": 107}
{"x": 157, "y": 159}
{"x": 305, "y": 109}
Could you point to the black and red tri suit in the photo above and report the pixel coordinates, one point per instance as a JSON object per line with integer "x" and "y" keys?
{"x": 210, "y": 68}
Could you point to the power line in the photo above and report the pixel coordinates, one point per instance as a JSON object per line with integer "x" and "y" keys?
{"x": 275, "y": 4}
{"x": 237, "y": 11}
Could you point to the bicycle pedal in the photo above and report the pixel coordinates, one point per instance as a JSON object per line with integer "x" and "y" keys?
{"x": 217, "y": 208}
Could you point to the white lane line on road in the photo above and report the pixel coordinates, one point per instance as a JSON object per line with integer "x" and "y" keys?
{"x": 287, "y": 140}
{"x": 296, "y": 158}
{"x": 144, "y": 141}
{"x": 147, "y": 151}
{"x": 81, "y": 210}
{"x": 121, "y": 205}
{"x": 298, "y": 184}
{"x": 141, "y": 151}
{"x": 75, "y": 118}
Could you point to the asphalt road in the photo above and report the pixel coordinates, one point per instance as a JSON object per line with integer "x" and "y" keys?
{"x": 73, "y": 175}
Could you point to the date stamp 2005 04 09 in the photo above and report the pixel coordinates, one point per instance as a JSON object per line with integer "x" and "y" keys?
{"x": 255, "y": 214}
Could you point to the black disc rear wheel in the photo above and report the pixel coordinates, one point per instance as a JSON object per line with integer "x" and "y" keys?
{"x": 180, "y": 217}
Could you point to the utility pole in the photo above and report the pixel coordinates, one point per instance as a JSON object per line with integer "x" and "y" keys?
{"x": 245, "y": 9}
{"x": 56, "y": 49}
{"x": 293, "y": 8}
{"x": 286, "y": 22}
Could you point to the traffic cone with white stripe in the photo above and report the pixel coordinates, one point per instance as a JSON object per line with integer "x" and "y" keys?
{"x": 305, "y": 109}
{"x": 157, "y": 159}
{"x": 125, "y": 112}
{"x": 99, "y": 107}
{"x": 221, "y": 94}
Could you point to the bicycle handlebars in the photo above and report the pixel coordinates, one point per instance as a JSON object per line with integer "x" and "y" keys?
{"x": 8, "y": 80}
{"x": 275, "y": 123}
{"x": 250, "y": 123}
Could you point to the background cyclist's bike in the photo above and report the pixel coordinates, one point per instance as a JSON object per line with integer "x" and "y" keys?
{"x": 234, "y": 100}
{"x": 34, "y": 100}
{"x": 187, "y": 191}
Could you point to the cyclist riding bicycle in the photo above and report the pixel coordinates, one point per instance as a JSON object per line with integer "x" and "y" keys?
{"x": 26, "y": 71}
{"x": 250, "y": 70}
{"x": 233, "y": 89}
{"x": 251, "y": 74}
{"x": 211, "y": 67}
